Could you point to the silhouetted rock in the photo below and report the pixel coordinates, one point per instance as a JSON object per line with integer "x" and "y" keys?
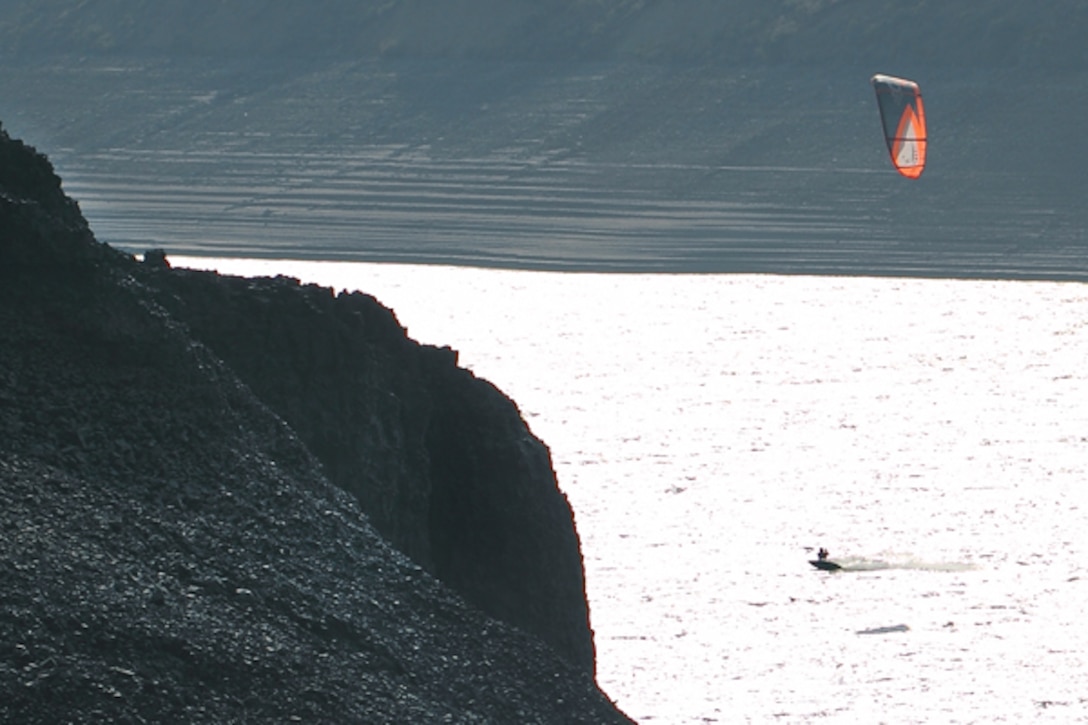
{"x": 172, "y": 549}
{"x": 33, "y": 205}
{"x": 441, "y": 461}
{"x": 156, "y": 258}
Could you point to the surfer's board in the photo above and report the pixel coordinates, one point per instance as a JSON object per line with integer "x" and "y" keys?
{"x": 825, "y": 564}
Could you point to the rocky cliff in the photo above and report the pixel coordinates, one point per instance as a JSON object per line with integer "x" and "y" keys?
{"x": 173, "y": 548}
{"x": 441, "y": 461}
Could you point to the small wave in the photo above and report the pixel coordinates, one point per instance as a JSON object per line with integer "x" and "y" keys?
{"x": 885, "y": 630}
{"x": 901, "y": 562}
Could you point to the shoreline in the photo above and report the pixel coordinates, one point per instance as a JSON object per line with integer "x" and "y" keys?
{"x": 861, "y": 271}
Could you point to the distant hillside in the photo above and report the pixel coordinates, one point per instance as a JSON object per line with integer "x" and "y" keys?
{"x": 997, "y": 33}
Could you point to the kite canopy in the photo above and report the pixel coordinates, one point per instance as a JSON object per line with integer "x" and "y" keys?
{"x": 904, "y": 120}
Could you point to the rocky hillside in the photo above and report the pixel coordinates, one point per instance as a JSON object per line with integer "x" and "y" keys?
{"x": 173, "y": 547}
{"x": 441, "y": 461}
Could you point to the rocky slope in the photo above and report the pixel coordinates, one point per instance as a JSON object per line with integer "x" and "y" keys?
{"x": 172, "y": 547}
{"x": 441, "y": 461}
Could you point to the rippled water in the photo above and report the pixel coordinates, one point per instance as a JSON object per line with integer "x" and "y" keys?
{"x": 711, "y": 431}
{"x": 562, "y": 166}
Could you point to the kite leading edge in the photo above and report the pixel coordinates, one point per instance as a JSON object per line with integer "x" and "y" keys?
{"x": 904, "y": 120}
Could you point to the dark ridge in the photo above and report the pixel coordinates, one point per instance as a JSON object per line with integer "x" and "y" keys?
{"x": 441, "y": 461}
{"x": 173, "y": 550}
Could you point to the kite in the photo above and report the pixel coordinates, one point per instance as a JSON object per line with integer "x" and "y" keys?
{"x": 904, "y": 120}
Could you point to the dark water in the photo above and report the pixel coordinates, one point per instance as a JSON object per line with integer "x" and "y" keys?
{"x": 607, "y": 167}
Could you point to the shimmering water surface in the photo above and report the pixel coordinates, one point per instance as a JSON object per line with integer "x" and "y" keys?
{"x": 711, "y": 431}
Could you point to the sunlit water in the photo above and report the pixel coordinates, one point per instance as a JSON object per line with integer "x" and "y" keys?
{"x": 711, "y": 431}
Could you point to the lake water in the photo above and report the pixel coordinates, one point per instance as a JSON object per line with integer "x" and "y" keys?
{"x": 605, "y": 166}
{"x": 712, "y": 430}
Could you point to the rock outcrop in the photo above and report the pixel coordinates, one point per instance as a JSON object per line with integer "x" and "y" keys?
{"x": 173, "y": 547}
{"x": 441, "y": 461}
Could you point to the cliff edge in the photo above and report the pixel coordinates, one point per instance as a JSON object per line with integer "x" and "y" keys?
{"x": 441, "y": 461}
{"x": 173, "y": 547}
